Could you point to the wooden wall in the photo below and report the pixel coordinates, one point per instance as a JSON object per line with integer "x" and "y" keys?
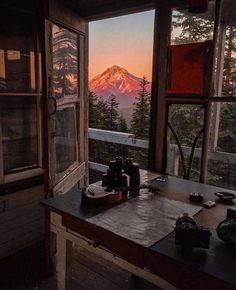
{"x": 21, "y": 220}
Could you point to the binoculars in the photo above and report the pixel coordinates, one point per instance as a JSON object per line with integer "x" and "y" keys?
{"x": 121, "y": 175}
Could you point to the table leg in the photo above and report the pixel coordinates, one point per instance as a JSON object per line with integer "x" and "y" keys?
{"x": 63, "y": 263}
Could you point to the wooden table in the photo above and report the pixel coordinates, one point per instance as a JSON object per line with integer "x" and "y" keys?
{"x": 162, "y": 263}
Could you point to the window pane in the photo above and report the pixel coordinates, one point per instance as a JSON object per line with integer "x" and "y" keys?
{"x": 17, "y": 64}
{"x": 227, "y": 49}
{"x": 229, "y": 71}
{"x": 19, "y": 131}
{"x": 190, "y": 53}
{"x": 185, "y": 125}
{"x": 65, "y": 63}
{"x": 65, "y": 140}
{"x": 190, "y": 28}
{"x": 222, "y": 150}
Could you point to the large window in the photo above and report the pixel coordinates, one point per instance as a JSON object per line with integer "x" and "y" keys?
{"x": 20, "y": 94}
{"x": 201, "y": 135}
{"x": 120, "y": 74}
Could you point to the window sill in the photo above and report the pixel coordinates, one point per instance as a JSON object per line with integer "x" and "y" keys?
{"x": 19, "y": 176}
{"x": 22, "y": 184}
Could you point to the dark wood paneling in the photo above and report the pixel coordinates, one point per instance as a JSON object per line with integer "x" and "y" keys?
{"x": 20, "y": 185}
{"x": 66, "y": 16}
{"x": 94, "y": 10}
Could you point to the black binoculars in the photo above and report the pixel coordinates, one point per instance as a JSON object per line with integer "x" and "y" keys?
{"x": 121, "y": 175}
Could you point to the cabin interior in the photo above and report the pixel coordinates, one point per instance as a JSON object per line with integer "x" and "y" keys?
{"x": 44, "y": 126}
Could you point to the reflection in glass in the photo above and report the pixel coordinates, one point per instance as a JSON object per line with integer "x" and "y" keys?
{"x": 229, "y": 72}
{"x": 184, "y": 140}
{"x": 190, "y": 28}
{"x": 19, "y": 131}
{"x": 65, "y": 139}
{"x": 17, "y": 64}
{"x": 189, "y": 53}
{"x": 65, "y": 63}
{"x": 222, "y": 149}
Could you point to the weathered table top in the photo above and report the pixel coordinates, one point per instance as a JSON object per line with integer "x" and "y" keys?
{"x": 202, "y": 270}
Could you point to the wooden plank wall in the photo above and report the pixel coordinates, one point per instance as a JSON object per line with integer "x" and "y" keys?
{"x": 21, "y": 220}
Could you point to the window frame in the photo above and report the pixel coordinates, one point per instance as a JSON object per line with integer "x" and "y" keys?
{"x": 77, "y": 174}
{"x": 160, "y": 98}
{"x": 28, "y": 171}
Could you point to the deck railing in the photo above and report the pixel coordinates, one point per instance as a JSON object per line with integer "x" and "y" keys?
{"x": 129, "y": 140}
{"x": 125, "y": 139}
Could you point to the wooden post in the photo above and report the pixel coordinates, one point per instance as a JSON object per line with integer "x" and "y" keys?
{"x": 206, "y": 138}
{"x": 158, "y": 105}
{"x": 83, "y": 118}
{"x": 64, "y": 273}
{"x": 208, "y": 108}
{"x": 218, "y": 84}
{"x": 1, "y": 157}
{"x": 175, "y": 156}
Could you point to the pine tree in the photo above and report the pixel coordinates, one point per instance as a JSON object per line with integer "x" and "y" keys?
{"x": 65, "y": 63}
{"x": 112, "y": 106}
{"x": 93, "y": 99}
{"x": 193, "y": 28}
{"x": 141, "y": 113}
{"x": 99, "y": 119}
{"x": 229, "y": 73}
{"x": 104, "y": 114}
{"x": 122, "y": 125}
{"x": 98, "y": 112}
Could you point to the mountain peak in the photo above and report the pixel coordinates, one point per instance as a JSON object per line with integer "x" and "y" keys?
{"x": 115, "y": 69}
{"x": 118, "y": 81}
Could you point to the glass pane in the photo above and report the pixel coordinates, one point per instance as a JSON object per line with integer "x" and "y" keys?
{"x": 190, "y": 28}
{"x": 227, "y": 48}
{"x": 17, "y": 64}
{"x": 185, "y": 128}
{"x": 191, "y": 52}
{"x": 222, "y": 150}
{"x": 19, "y": 131}
{"x": 65, "y": 139}
{"x": 65, "y": 63}
{"x": 229, "y": 71}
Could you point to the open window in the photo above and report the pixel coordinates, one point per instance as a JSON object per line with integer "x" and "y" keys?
{"x": 66, "y": 111}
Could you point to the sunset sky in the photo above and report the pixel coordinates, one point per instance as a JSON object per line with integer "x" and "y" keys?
{"x": 126, "y": 41}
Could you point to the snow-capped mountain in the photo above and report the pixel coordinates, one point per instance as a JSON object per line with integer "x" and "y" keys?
{"x": 119, "y": 82}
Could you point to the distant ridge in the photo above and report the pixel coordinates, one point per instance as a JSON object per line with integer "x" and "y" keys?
{"x": 118, "y": 81}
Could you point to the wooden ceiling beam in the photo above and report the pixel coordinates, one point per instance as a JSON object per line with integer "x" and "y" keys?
{"x": 94, "y": 10}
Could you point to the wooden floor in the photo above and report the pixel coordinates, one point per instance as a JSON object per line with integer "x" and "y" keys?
{"x": 24, "y": 271}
